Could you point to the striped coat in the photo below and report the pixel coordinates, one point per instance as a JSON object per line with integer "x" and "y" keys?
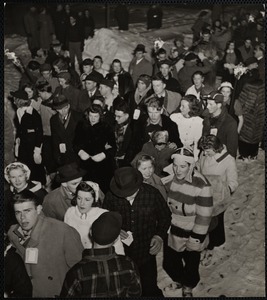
{"x": 191, "y": 204}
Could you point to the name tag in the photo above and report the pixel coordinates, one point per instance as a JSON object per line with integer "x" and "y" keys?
{"x": 62, "y": 148}
{"x": 31, "y": 256}
{"x": 214, "y": 131}
{"x": 136, "y": 114}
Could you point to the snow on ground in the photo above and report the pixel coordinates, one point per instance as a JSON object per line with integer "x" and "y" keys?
{"x": 238, "y": 267}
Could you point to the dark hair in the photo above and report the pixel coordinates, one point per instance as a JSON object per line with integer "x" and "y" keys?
{"x": 116, "y": 61}
{"x": 197, "y": 73}
{"x": 210, "y": 142}
{"x": 84, "y": 187}
{"x": 158, "y": 77}
{"x": 33, "y": 65}
{"x": 161, "y": 51}
{"x": 30, "y": 86}
{"x": 99, "y": 57}
{"x": 44, "y": 86}
{"x": 95, "y": 109}
{"x": 194, "y": 105}
{"x": 121, "y": 105}
{"x": 25, "y": 196}
{"x": 228, "y": 44}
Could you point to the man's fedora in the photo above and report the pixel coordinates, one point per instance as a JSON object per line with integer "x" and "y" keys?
{"x": 140, "y": 47}
{"x": 126, "y": 182}
{"x": 69, "y": 172}
{"x": 60, "y": 101}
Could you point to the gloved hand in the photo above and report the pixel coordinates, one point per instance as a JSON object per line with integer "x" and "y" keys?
{"x": 99, "y": 157}
{"x": 37, "y": 155}
{"x": 83, "y": 155}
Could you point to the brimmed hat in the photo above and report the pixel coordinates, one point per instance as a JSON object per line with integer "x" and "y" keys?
{"x": 60, "y": 101}
{"x": 190, "y": 57}
{"x": 20, "y": 94}
{"x": 165, "y": 62}
{"x": 91, "y": 77}
{"x": 88, "y": 62}
{"x": 16, "y": 165}
{"x": 140, "y": 47}
{"x": 126, "y": 182}
{"x": 216, "y": 96}
{"x": 226, "y": 84}
{"x": 250, "y": 61}
{"x": 106, "y": 228}
{"x": 56, "y": 43}
{"x": 45, "y": 67}
{"x": 69, "y": 172}
{"x": 107, "y": 82}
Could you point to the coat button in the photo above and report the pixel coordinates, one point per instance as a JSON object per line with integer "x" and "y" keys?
{"x": 50, "y": 277}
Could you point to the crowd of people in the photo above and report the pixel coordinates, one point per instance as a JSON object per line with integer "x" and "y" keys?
{"x": 108, "y": 168}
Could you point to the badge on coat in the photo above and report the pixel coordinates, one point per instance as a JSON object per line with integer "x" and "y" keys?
{"x": 214, "y": 131}
{"x": 31, "y": 256}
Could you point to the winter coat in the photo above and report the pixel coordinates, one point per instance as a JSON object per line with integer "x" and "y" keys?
{"x": 225, "y": 128}
{"x": 124, "y": 80}
{"x": 221, "y": 171}
{"x": 154, "y": 17}
{"x": 64, "y": 135}
{"x": 32, "y": 30}
{"x": 59, "y": 248}
{"x": 84, "y": 101}
{"x": 61, "y": 21}
{"x": 244, "y": 53}
{"x": 122, "y": 16}
{"x": 71, "y": 93}
{"x": 143, "y": 67}
{"x": 9, "y": 140}
{"x": 252, "y": 100}
{"x": 46, "y": 31}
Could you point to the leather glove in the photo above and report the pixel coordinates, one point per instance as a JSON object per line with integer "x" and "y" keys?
{"x": 83, "y": 155}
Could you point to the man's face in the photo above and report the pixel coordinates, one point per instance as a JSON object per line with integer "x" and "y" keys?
{"x": 116, "y": 67}
{"x": 206, "y": 37}
{"x": 97, "y": 63}
{"x": 46, "y": 74}
{"x": 27, "y": 214}
{"x": 212, "y": 106}
{"x": 165, "y": 69}
{"x": 158, "y": 86}
{"x": 72, "y": 184}
{"x": 198, "y": 80}
{"x": 104, "y": 89}
{"x": 64, "y": 111}
{"x": 121, "y": 116}
{"x": 87, "y": 69}
{"x": 57, "y": 49}
{"x": 154, "y": 114}
{"x": 162, "y": 56}
{"x": 90, "y": 85}
{"x": 247, "y": 43}
{"x": 257, "y": 52}
{"x": 139, "y": 54}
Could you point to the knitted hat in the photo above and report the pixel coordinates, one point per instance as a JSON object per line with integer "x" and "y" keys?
{"x": 106, "y": 228}
{"x": 64, "y": 75}
{"x": 225, "y": 84}
{"x": 45, "y": 67}
{"x": 107, "y": 82}
{"x": 146, "y": 79}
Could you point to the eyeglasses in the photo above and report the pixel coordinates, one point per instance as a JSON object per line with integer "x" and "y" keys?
{"x": 161, "y": 144}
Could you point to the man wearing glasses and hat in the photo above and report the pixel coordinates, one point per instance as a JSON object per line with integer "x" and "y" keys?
{"x": 146, "y": 219}
{"x": 58, "y": 201}
{"x": 63, "y": 125}
{"x": 139, "y": 64}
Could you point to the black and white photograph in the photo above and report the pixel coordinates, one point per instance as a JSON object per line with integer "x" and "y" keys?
{"x": 134, "y": 149}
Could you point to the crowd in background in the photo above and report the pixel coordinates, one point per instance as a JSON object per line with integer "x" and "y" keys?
{"x": 156, "y": 143}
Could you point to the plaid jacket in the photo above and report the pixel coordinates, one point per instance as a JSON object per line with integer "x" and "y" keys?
{"x": 88, "y": 277}
{"x": 149, "y": 215}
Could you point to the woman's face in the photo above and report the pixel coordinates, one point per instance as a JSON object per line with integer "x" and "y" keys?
{"x": 141, "y": 86}
{"x": 209, "y": 152}
{"x": 85, "y": 201}
{"x": 185, "y": 108}
{"x": 94, "y": 118}
{"x": 146, "y": 168}
{"x": 18, "y": 179}
{"x": 226, "y": 91}
{"x": 29, "y": 91}
{"x": 180, "y": 168}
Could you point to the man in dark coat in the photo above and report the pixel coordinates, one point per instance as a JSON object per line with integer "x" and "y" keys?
{"x": 32, "y": 30}
{"x": 122, "y": 16}
{"x": 63, "y": 125}
{"x": 60, "y": 20}
{"x": 154, "y": 17}
{"x": 218, "y": 122}
{"x": 122, "y": 79}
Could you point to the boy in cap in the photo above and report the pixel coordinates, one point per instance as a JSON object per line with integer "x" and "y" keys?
{"x": 48, "y": 247}
{"x": 101, "y": 272}
{"x": 146, "y": 219}
{"x": 165, "y": 71}
{"x": 218, "y": 122}
{"x": 139, "y": 64}
{"x": 63, "y": 125}
{"x": 58, "y": 201}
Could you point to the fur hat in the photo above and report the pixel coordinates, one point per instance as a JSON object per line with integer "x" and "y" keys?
{"x": 126, "y": 182}
{"x": 106, "y": 228}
